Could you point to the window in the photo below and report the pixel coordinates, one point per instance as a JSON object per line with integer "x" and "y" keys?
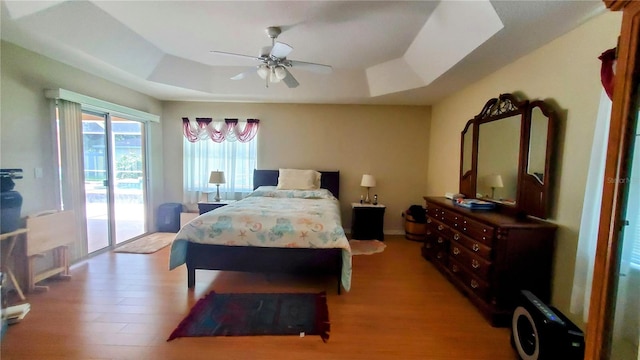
{"x": 237, "y": 160}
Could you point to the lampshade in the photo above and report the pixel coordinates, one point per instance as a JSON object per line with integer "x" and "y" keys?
{"x": 494, "y": 181}
{"x": 263, "y": 71}
{"x": 280, "y": 72}
{"x": 273, "y": 77}
{"x": 216, "y": 177}
{"x": 368, "y": 181}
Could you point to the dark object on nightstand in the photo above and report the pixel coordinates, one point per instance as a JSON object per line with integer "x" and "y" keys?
{"x": 204, "y": 207}
{"x": 367, "y": 222}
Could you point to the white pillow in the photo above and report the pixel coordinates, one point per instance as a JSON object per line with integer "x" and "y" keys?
{"x": 294, "y": 179}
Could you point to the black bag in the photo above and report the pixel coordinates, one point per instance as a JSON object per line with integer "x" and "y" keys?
{"x": 417, "y": 213}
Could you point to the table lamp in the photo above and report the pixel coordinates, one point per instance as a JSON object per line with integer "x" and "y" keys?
{"x": 494, "y": 181}
{"x": 368, "y": 181}
{"x": 217, "y": 177}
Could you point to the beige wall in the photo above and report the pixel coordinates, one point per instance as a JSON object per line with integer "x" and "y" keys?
{"x": 567, "y": 73}
{"x": 388, "y": 142}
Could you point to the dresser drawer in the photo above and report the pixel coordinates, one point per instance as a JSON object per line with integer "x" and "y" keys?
{"x": 476, "y": 230}
{"x": 473, "y": 283}
{"x": 436, "y": 212}
{"x": 475, "y": 246}
{"x": 441, "y": 228}
{"x": 472, "y": 262}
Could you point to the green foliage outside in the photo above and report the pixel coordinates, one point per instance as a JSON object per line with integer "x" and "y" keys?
{"x": 129, "y": 166}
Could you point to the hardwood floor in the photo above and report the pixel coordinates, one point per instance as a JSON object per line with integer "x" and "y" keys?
{"x": 124, "y": 306}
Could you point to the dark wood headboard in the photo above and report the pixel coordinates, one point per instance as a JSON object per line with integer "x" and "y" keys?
{"x": 330, "y": 180}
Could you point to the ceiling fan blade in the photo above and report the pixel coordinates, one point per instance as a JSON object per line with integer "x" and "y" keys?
{"x": 245, "y": 74}
{"x": 289, "y": 80}
{"x": 237, "y": 55}
{"x": 280, "y": 50}
{"x": 313, "y": 67}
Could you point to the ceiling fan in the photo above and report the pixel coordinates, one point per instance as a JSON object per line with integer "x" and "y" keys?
{"x": 274, "y": 62}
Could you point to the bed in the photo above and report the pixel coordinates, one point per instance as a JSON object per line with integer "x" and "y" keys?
{"x": 280, "y": 241}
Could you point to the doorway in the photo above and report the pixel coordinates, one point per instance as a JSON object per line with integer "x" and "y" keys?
{"x": 114, "y": 179}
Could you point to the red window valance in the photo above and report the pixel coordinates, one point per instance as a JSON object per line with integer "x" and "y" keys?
{"x": 202, "y": 128}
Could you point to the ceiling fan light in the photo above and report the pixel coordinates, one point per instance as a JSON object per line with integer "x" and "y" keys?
{"x": 263, "y": 71}
{"x": 280, "y": 72}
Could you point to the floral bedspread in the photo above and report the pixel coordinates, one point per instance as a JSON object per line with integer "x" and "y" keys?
{"x": 271, "y": 218}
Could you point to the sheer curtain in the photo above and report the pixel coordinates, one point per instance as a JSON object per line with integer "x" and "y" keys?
{"x": 588, "y": 236}
{"x": 71, "y": 165}
{"x": 237, "y": 160}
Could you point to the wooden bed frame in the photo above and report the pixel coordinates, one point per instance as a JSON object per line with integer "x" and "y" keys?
{"x": 265, "y": 259}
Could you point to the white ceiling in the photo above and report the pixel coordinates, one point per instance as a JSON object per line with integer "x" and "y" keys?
{"x": 382, "y": 52}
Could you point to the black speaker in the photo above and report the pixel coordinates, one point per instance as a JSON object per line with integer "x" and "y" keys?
{"x": 541, "y": 332}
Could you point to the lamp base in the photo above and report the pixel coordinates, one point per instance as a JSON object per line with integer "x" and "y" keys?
{"x": 217, "y": 198}
{"x": 367, "y": 200}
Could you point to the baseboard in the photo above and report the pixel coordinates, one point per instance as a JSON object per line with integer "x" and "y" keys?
{"x": 386, "y": 232}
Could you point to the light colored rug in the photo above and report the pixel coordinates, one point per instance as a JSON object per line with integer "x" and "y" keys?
{"x": 148, "y": 244}
{"x": 366, "y": 247}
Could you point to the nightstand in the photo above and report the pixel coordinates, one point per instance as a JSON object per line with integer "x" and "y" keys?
{"x": 206, "y": 206}
{"x": 367, "y": 221}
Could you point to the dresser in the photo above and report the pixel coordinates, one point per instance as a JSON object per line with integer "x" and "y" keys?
{"x": 489, "y": 256}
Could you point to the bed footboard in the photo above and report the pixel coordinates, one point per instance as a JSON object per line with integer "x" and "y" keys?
{"x": 262, "y": 260}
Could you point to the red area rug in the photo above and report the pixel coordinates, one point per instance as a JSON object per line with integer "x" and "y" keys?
{"x": 257, "y": 314}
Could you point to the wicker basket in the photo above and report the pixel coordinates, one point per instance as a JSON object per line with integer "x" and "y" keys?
{"x": 413, "y": 230}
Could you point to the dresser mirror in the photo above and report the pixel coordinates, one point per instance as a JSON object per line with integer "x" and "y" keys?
{"x": 466, "y": 158}
{"x": 506, "y": 155}
{"x": 498, "y": 152}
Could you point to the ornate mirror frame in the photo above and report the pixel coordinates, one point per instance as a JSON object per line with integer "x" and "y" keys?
{"x": 533, "y": 171}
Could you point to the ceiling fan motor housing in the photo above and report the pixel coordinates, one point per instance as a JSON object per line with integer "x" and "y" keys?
{"x": 273, "y": 31}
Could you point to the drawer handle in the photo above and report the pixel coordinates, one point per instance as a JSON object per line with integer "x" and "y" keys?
{"x": 464, "y": 229}
{"x": 475, "y": 263}
{"x": 440, "y": 240}
{"x": 428, "y": 245}
{"x": 484, "y": 230}
{"x": 456, "y": 236}
{"x": 465, "y": 221}
{"x": 474, "y": 284}
{"x": 484, "y": 238}
{"x": 454, "y": 268}
{"x": 456, "y": 251}
{"x": 428, "y": 232}
{"x": 439, "y": 256}
{"x": 440, "y": 227}
{"x": 428, "y": 221}
{"x": 475, "y": 247}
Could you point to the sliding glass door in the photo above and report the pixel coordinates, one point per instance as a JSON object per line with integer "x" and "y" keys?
{"x": 129, "y": 178}
{"x": 114, "y": 179}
